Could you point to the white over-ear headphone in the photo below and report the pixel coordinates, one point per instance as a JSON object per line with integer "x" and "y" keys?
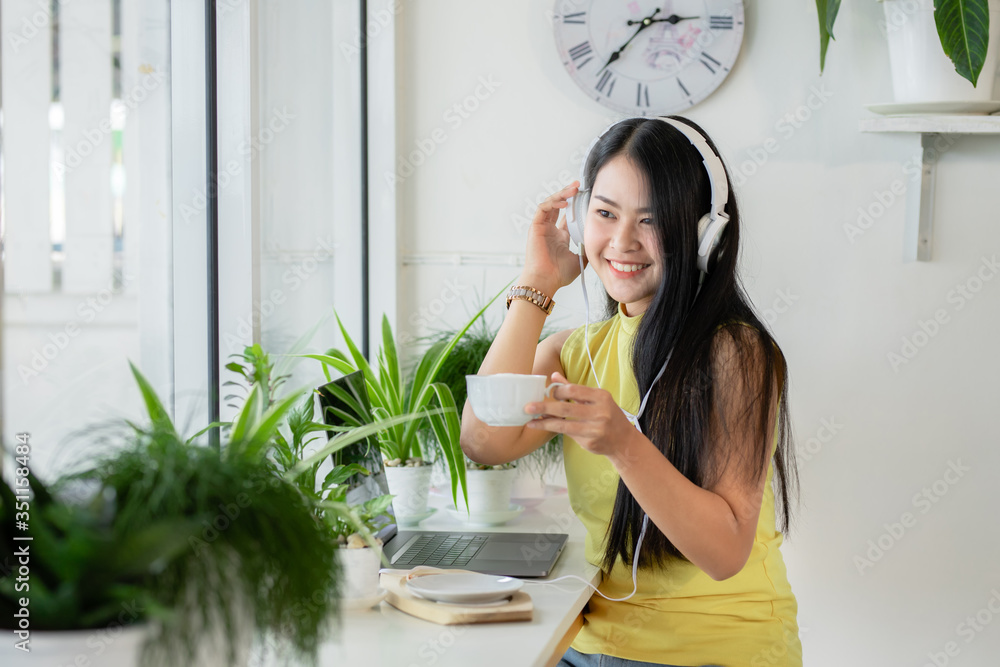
{"x": 710, "y": 226}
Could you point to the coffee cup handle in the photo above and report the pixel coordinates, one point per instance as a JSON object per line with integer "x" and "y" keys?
{"x": 548, "y": 390}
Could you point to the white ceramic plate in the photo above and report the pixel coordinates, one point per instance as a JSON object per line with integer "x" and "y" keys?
{"x": 978, "y": 107}
{"x": 461, "y": 588}
{"x": 414, "y": 519}
{"x": 485, "y": 518}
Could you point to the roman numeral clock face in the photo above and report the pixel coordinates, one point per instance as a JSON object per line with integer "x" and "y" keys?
{"x": 648, "y": 58}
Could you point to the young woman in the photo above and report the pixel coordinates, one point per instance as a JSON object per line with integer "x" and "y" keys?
{"x": 711, "y": 586}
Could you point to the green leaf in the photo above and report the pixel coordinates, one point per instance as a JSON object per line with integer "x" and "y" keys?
{"x": 832, "y": 7}
{"x": 964, "y": 29}
{"x": 423, "y": 375}
{"x": 206, "y": 430}
{"x": 158, "y": 415}
{"x": 448, "y": 430}
{"x": 247, "y": 416}
{"x": 827, "y": 14}
{"x": 335, "y": 359}
{"x": 391, "y": 359}
{"x": 359, "y": 359}
{"x": 341, "y": 474}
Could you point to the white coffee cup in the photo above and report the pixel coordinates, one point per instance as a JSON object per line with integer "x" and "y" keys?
{"x": 499, "y": 400}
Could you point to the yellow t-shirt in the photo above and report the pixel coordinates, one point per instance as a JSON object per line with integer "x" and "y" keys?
{"x": 679, "y": 615}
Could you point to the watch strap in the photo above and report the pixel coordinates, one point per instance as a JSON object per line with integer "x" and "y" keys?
{"x": 526, "y": 293}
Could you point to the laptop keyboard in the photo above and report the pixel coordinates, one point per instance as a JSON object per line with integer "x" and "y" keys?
{"x": 442, "y": 549}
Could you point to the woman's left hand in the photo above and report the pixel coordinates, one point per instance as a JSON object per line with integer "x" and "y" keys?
{"x": 590, "y": 416}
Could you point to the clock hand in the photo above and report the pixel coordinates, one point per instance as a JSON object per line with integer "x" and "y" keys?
{"x": 672, "y": 19}
{"x": 645, "y": 23}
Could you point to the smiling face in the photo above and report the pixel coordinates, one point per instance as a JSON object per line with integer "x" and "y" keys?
{"x": 619, "y": 237}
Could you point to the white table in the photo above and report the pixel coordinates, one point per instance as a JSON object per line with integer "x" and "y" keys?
{"x": 386, "y": 636}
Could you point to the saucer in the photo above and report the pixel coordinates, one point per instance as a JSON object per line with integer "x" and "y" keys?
{"x": 972, "y": 107}
{"x": 464, "y": 588}
{"x": 413, "y": 519}
{"x": 485, "y": 518}
{"x": 363, "y": 604}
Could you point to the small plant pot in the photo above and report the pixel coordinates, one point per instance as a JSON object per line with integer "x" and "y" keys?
{"x": 489, "y": 490}
{"x": 921, "y": 72}
{"x": 360, "y": 572}
{"x": 409, "y": 487}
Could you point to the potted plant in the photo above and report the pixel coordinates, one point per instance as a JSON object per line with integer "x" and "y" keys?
{"x": 929, "y": 42}
{"x": 393, "y": 395}
{"x": 213, "y": 544}
{"x": 360, "y": 551}
{"x": 490, "y": 487}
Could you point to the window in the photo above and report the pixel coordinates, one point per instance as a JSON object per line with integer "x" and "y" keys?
{"x": 111, "y": 248}
{"x": 85, "y": 215}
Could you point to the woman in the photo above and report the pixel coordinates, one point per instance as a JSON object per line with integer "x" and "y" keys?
{"x": 711, "y": 586}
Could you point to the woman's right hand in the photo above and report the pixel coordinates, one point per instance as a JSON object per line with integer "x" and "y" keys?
{"x": 549, "y": 263}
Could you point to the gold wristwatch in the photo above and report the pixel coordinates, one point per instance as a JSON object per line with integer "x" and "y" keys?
{"x": 525, "y": 293}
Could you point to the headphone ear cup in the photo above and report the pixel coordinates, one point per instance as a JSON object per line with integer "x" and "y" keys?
{"x": 708, "y": 239}
{"x": 576, "y": 213}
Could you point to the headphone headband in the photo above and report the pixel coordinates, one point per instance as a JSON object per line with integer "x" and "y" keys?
{"x": 713, "y": 165}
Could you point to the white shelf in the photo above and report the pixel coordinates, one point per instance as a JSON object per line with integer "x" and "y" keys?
{"x": 920, "y": 205}
{"x": 952, "y": 124}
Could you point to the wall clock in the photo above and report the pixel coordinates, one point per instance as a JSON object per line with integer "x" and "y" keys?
{"x": 648, "y": 58}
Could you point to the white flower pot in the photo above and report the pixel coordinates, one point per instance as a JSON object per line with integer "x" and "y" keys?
{"x": 409, "y": 487}
{"x": 112, "y": 646}
{"x": 489, "y": 490}
{"x": 360, "y": 572}
{"x": 527, "y": 485}
{"x": 921, "y": 72}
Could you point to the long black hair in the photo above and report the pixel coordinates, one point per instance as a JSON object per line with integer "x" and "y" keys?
{"x": 692, "y": 405}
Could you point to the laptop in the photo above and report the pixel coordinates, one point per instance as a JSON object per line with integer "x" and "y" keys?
{"x": 505, "y": 554}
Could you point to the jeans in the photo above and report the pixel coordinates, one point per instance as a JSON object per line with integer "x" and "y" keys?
{"x": 574, "y": 658}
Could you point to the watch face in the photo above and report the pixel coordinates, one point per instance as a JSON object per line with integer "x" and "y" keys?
{"x": 648, "y": 58}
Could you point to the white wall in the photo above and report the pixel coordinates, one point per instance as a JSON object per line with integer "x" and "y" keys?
{"x": 895, "y": 430}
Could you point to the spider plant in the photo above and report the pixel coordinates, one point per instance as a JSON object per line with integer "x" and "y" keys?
{"x": 963, "y": 27}
{"x": 393, "y": 395}
{"x": 292, "y": 455}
